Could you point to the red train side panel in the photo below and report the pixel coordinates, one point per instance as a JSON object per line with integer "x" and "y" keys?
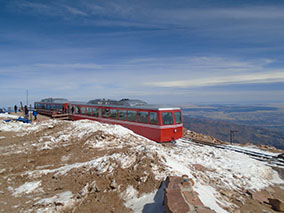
{"x": 155, "y": 123}
{"x": 160, "y": 132}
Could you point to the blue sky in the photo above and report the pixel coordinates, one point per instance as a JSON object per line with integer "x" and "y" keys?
{"x": 175, "y": 52}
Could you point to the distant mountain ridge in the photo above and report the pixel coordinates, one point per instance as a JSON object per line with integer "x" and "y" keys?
{"x": 245, "y": 134}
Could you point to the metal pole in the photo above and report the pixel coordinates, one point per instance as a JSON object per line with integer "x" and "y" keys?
{"x": 232, "y": 134}
{"x": 27, "y": 97}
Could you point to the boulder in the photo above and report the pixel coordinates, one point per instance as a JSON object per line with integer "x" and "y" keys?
{"x": 277, "y": 204}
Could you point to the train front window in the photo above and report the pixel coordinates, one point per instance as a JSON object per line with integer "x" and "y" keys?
{"x": 143, "y": 117}
{"x": 122, "y": 115}
{"x": 167, "y": 118}
{"x": 153, "y": 118}
{"x": 113, "y": 113}
{"x": 105, "y": 113}
{"x": 132, "y": 116}
{"x": 178, "y": 117}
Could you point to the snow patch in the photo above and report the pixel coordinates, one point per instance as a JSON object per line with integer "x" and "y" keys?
{"x": 86, "y": 127}
{"x": 27, "y": 188}
{"x": 254, "y": 149}
{"x": 207, "y": 195}
{"x": 148, "y": 203}
{"x": 101, "y": 164}
{"x": 63, "y": 199}
{"x": 6, "y": 115}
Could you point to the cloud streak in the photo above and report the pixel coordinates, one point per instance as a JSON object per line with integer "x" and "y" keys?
{"x": 271, "y": 77}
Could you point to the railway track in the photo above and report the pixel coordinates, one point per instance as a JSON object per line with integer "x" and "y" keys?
{"x": 269, "y": 159}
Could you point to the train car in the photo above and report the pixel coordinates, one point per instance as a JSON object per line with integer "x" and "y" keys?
{"x": 159, "y": 124}
{"x": 52, "y": 106}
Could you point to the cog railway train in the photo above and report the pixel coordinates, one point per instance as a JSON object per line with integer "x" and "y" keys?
{"x": 160, "y": 124}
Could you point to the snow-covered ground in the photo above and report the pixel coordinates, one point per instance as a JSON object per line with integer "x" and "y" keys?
{"x": 253, "y": 148}
{"x": 8, "y": 116}
{"x": 224, "y": 169}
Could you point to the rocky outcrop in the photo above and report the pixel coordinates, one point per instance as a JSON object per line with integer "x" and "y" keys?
{"x": 197, "y": 137}
{"x": 277, "y": 204}
{"x": 180, "y": 196}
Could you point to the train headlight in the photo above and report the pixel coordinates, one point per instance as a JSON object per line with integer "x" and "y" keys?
{"x": 175, "y": 130}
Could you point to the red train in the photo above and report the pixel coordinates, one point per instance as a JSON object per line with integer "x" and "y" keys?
{"x": 159, "y": 124}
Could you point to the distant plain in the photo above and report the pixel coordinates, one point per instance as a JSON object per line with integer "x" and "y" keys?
{"x": 257, "y": 124}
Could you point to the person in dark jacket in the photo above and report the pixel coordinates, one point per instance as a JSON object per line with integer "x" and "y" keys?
{"x": 15, "y": 108}
{"x": 26, "y": 112}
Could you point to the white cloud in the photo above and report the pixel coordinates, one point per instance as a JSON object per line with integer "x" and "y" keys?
{"x": 151, "y": 79}
{"x": 72, "y": 66}
{"x": 75, "y": 11}
{"x": 271, "y": 77}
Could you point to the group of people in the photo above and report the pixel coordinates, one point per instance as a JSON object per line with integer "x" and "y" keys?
{"x": 26, "y": 111}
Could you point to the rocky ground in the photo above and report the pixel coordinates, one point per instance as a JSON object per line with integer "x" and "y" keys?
{"x": 85, "y": 166}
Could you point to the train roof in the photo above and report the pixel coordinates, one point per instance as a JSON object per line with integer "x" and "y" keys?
{"x": 54, "y": 100}
{"x": 122, "y": 102}
{"x": 147, "y": 106}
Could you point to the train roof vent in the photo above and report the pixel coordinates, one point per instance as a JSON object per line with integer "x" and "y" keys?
{"x": 54, "y": 100}
{"x": 103, "y": 101}
{"x": 131, "y": 102}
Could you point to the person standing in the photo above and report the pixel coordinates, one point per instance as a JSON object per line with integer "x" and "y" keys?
{"x": 35, "y": 114}
{"x": 26, "y": 112}
{"x": 15, "y": 108}
{"x": 30, "y": 112}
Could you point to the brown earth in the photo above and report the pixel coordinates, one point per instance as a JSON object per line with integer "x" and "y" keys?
{"x": 95, "y": 191}
{"x": 25, "y": 159}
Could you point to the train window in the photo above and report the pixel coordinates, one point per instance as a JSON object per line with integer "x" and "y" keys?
{"x": 83, "y": 110}
{"x": 95, "y": 112}
{"x": 113, "y": 113}
{"x": 132, "y": 116}
{"x": 77, "y": 110}
{"x": 122, "y": 115}
{"x": 143, "y": 117}
{"x": 105, "y": 113}
{"x": 89, "y": 111}
{"x": 178, "y": 117}
{"x": 167, "y": 118}
{"x": 153, "y": 118}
